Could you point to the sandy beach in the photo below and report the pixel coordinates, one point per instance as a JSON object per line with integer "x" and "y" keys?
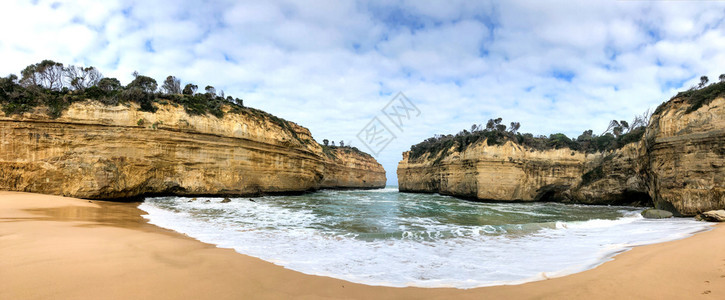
{"x": 64, "y": 248}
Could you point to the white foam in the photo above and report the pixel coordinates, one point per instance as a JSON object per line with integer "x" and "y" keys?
{"x": 468, "y": 256}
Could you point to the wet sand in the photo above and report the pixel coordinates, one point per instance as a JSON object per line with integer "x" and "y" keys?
{"x": 63, "y": 248}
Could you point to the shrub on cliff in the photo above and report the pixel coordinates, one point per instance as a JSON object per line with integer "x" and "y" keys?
{"x": 15, "y": 98}
{"x": 699, "y": 97}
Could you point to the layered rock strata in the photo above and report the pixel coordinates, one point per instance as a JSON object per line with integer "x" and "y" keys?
{"x": 684, "y": 157}
{"x": 96, "y": 151}
{"x": 500, "y": 172}
{"x": 677, "y": 166}
{"x": 348, "y": 169}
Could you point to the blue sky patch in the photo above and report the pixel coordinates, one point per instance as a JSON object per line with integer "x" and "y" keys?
{"x": 563, "y": 75}
{"x": 149, "y": 47}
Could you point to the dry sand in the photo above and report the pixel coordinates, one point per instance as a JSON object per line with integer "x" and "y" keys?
{"x": 63, "y": 248}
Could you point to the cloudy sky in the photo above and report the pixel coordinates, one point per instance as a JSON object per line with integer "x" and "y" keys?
{"x": 554, "y": 66}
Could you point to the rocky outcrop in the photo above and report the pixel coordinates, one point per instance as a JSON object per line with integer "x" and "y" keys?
{"x": 656, "y": 214}
{"x": 499, "y": 172}
{"x": 712, "y": 216}
{"x": 346, "y": 168}
{"x": 677, "y": 166}
{"x": 612, "y": 178}
{"x": 511, "y": 172}
{"x": 104, "y": 152}
{"x": 684, "y": 157}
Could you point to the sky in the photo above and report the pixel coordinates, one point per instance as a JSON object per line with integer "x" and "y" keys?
{"x": 333, "y": 66}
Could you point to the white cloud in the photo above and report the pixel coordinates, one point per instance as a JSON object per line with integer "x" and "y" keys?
{"x": 332, "y": 65}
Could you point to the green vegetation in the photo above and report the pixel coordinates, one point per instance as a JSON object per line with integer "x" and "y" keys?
{"x": 703, "y": 95}
{"x": 699, "y": 95}
{"x": 618, "y": 134}
{"x": 56, "y": 86}
{"x": 327, "y": 149}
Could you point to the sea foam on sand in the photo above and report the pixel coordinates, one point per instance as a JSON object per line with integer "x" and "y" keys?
{"x": 438, "y": 255}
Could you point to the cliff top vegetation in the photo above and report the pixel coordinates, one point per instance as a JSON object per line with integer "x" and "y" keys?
{"x": 617, "y": 135}
{"x": 329, "y": 149}
{"x": 56, "y": 86}
{"x": 700, "y": 95}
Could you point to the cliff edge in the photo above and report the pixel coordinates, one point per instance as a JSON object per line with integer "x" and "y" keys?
{"x": 683, "y": 159}
{"x": 677, "y": 165}
{"x": 97, "y": 151}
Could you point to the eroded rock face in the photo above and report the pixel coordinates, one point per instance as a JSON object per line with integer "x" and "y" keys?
{"x": 684, "y": 158}
{"x": 103, "y": 152}
{"x": 612, "y": 178}
{"x": 678, "y": 166}
{"x": 345, "y": 168}
{"x": 507, "y": 172}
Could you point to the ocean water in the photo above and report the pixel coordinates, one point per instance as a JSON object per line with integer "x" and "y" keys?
{"x": 383, "y": 237}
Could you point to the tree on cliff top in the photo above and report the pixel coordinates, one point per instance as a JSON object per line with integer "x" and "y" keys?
{"x": 49, "y": 84}
{"x": 210, "y": 90}
{"x": 47, "y": 74}
{"x": 703, "y": 81}
{"x": 144, "y": 83}
{"x": 515, "y": 127}
{"x": 109, "y": 84}
{"x": 617, "y": 135}
{"x": 171, "y": 85}
{"x": 190, "y": 89}
{"x": 81, "y": 78}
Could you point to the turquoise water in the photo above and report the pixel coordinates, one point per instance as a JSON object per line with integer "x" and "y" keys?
{"x": 382, "y": 237}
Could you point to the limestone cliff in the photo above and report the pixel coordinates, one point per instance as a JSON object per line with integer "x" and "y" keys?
{"x": 613, "y": 177}
{"x": 102, "y": 152}
{"x": 346, "y": 168}
{"x": 684, "y": 157}
{"x": 508, "y": 172}
{"x": 678, "y": 166}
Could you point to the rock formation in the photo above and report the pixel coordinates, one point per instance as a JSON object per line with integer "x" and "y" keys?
{"x": 499, "y": 172}
{"x": 712, "y": 216}
{"x": 652, "y": 213}
{"x": 684, "y": 157}
{"x": 96, "y": 151}
{"x": 677, "y": 166}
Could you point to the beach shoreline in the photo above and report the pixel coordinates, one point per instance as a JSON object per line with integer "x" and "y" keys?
{"x": 66, "y": 248}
